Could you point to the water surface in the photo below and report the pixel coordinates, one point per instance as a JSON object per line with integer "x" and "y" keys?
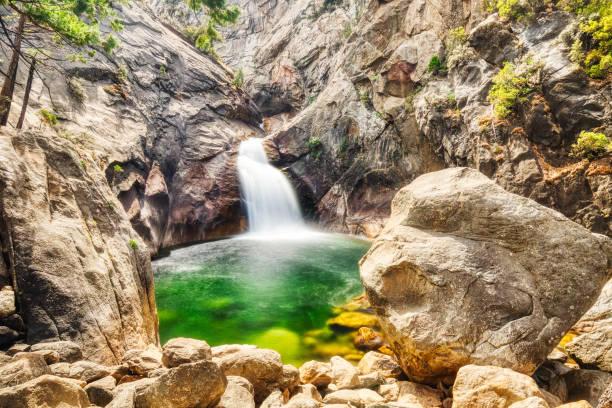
{"x": 260, "y": 290}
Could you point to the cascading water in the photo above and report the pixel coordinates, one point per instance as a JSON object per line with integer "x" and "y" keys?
{"x": 271, "y": 202}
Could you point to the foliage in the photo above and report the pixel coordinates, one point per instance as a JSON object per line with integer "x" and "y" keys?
{"x": 122, "y": 72}
{"x": 238, "y": 78}
{"x": 218, "y": 14}
{"x": 591, "y": 145}
{"x": 75, "y": 87}
{"x": 47, "y": 117}
{"x": 314, "y": 143}
{"x": 83, "y": 164}
{"x": 593, "y": 48}
{"x": 117, "y": 168}
{"x": 133, "y": 244}
{"x": 511, "y": 85}
{"x": 436, "y": 66}
{"x": 457, "y": 48}
{"x": 516, "y": 9}
{"x": 311, "y": 99}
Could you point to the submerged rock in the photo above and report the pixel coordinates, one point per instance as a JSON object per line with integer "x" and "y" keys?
{"x": 466, "y": 272}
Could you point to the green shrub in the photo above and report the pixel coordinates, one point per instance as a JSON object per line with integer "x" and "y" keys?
{"x": 457, "y": 48}
{"x": 47, "y": 117}
{"x": 238, "y": 80}
{"x": 314, "y": 143}
{"x": 75, "y": 86}
{"x": 591, "y": 145}
{"x": 133, "y": 244}
{"x": 511, "y": 85}
{"x": 516, "y": 9}
{"x": 118, "y": 168}
{"x": 436, "y": 66}
{"x": 122, "y": 72}
{"x": 593, "y": 50}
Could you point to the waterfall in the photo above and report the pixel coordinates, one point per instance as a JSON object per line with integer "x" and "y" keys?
{"x": 270, "y": 200}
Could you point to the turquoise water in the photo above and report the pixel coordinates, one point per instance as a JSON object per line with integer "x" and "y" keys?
{"x": 263, "y": 291}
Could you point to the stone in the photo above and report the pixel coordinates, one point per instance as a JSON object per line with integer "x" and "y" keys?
{"x": 46, "y": 391}
{"x": 141, "y": 362}
{"x": 605, "y": 400}
{"x": 587, "y": 385}
{"x": 238, "y": 393}
{"x": 68, "y": 351}
{"x": 188, "y": 385}
{"x": 359, "y": 398}
{"x": 316, "y": 373}
{"x": 7, "y": 303}
{"x": 123, "y": 394}
{"x": 592, "y": 348}
{"x": 79, "y": 279}
{"x": 274, "y": 400}
{"x": 263, "y": 368}
{"x": 419, "y": 394}
{"x": 352, "y": 320}
{"x": 344, "y": 374}
{"x": 471, "y": 246}
{"x": 309, "y": 391}
{"x": 18, "y": 348}
{"x": 15, "y": 322}
{"x": 531, "y": 402}
{"x": 368, "y": 339}
{"x": 60, "y": 369}
{"x": 87, "y": 371}
{"x": 577, "y": 404}
{"x": 100, "y": 392}
{"x": 302, "y": 401}
{"x": 290, "y": 378}
{"x": 182, "y": 350}
{"x": 487, "y": 386}
{"x": 551, "y": 399}
{"x": 50, "y": 356}
{"x": 22, "y": 369}
{"x": 371, "y": 380}
{"x": 7, "y": 336}
{"x": 374, "y": 361}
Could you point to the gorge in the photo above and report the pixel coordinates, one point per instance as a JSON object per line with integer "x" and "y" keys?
{"x": 162, "y": 199}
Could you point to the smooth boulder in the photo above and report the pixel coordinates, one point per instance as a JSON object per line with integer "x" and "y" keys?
{"x": 21, "y": 369}
{"x": 466, "y": 272}
{"x": 46, "y": 391}
{"x": 182, "y": 350}
{"x": 238, "y": 393}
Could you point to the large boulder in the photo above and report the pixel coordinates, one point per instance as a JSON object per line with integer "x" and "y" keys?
{"x": 199, "y": 384}
{"x": 46, "y": 391}
{"x": 488, "y": 386}
{"x": 77, "y": 275}
{"x": 21, "y": 369}
{"x": 466, "y": 272}
{"x": 238, "y": 393}
{"x": 182, "y": 350}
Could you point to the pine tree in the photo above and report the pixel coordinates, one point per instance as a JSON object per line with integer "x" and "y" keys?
{"x": 70, "y": 22}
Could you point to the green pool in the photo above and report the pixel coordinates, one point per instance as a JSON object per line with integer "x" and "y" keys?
{"x": 264, "y": 291}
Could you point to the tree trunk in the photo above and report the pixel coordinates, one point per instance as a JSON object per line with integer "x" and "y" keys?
{"x": 26, "y": 95}
{"x": 6, "y": 95}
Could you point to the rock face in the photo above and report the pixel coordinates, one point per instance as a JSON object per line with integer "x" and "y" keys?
{"x": 69, "y": 249}
{"x": 161, "y": 120}
{"x": 466, "y": 272}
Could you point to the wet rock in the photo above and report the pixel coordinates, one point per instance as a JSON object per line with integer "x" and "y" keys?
{"x": 262, "y": 367}
{"x": 238, "y": 393}
{"x": 486, "y": 386}
{"x": 359, "y": 398}
{"x": 182, "y": 350}
{"x": 69, "y": 351}
{"x": 7, "y": 303}
{"x": 45, "y": 391}
{"x": 100, "y": 392}
{"x": 141, "y": 362}
{"x": 470, "y": 245}
{"x": 21, "y": 369}
{"x": 587, "y": 385}
{"x": 195, "y": 384}
{"x": 344, "y": 374}
{"x": 316, "y": 373}
{"x": 373, "y": 362}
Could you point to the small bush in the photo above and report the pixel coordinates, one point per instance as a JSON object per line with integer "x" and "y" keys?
{"x": 511, "y": 85}
{"x": 591, "y": 145}
{"x": 238, "y": 80}
{"x": 47, "y": 117}
{"x": 516, "y": 9}
{"x": 122, "y": 73}
{"x": 457, "y": 48}
{"x": 436, "y": 66}
{"x": 75, "y": 86}
{"x": 133, "y": 244}
{"x": 314, "y": 143}
{"x": 117, "y": 168}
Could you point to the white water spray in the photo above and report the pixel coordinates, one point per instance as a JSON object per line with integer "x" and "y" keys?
{"x": 271, "y": 202}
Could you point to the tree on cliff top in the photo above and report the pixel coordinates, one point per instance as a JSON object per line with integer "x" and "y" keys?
{"x": 218, "y": 14}
{"x": 70, "y": 22}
